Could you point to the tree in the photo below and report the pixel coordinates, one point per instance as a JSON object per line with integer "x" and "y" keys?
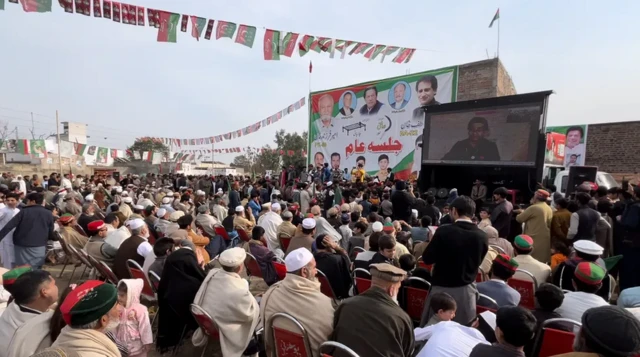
{"x": 257, "y": 161}
{"x": 148, "y": 144}
{"x": 292, "y": 142}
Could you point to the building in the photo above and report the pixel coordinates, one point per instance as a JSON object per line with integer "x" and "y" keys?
{"x": 613, "y": 148}
{"x": 74, "y": 132}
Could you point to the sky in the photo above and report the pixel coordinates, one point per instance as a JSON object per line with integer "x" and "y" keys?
{"x": 122, "y": 83}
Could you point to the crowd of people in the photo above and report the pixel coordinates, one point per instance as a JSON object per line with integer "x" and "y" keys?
{"x": 196, "y": 236}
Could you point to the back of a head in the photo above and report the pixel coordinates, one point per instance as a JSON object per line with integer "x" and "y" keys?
{"x": 604, "y": 206}
{"x": 549, "y": 296}
{"x": 442, "y": 301}
{"x": 464, "y": 206}
{"x": 26, "y": 288}
{"x": 501, "y": 191}
{"x": 257, "y": 233}
{"x": 562, "y": 203}
{"x": 319, "y": 241}
{"x": 36, "y": 197}
{"x": 425, "y": 221}
{"x": 361, "y": 226}
{"x": 185, "y": 221}
{"x": 110, "y": 218}
{"x": 609, "y": 331}
{"x": 162, "y": 245}
{"x": 431, "y": 199}
{"x": 374, "y": 238}
{"x": 517, "y": 325}
{"x": 386, "y": 242}
{"x": 407, "y": 262}
{"x": 583, "y": 198}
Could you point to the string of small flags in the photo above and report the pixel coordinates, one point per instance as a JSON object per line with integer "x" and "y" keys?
{"x": 240, "y": 150}
{"x": 275, "y": 43}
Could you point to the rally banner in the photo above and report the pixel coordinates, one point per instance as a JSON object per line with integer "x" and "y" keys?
{"x": 566, "y": 145}
{"x": 378, "y": 123}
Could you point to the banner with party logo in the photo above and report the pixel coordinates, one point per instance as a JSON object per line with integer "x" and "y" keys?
{"x": 378, "y": 124}
{"x": 566, "y": 145}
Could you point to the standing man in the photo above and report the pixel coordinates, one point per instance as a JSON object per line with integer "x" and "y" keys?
{"x": 33, "y": 228}
{"x": 427, "y": 88}
{"x": 402, "y": 201}
{"x": 501, "y": 214}
{"x": 234, "y": 196}
{"x": 478, "y": 194}
{"x": 457, "y": 250}
{"x": 6, "y": 214}
{"x": 584, "y": 221}
{"x": 537, "y": 225}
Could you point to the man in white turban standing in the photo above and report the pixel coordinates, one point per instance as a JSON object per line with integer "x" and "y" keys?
{"x": 225, "y": 296}
{"x": 270, "y": 221}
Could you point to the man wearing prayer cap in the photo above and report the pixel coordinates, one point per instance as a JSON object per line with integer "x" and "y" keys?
{"x": 241, "y": 222}
{"x": 163, "y": 221}
{"x": 377, "y": 227}
{"x": 537, "y": 225}
{"x": 606, "y": 331}
{"x": 225, "y": 296}
{"x": 587, "y": 280}
{"x": 90, "y": 310}
{"x": 299, "y": 295}
{"x": 205, "y": 220}
{"x": 588, "y": 251}
{"x": 97, "y": 247}
{"x": 135, "y": 248}
{"x": 523, "y": 246}
{"x": 372, "y": 321}
{"x": 286, "y": 228}
{"x": 173, "y": 225}
{"x": 305, "y": 237}
{"x": 270, "y": 221}
{"x": 70, "y": 235}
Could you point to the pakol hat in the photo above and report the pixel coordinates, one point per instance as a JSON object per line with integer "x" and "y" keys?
{"x": 387, "y": 272}
{"x": 507, "y": 262}
{"x": 66, "y": 218}
{"x": 88, "y": 302}
{"x": 589, "y": 273}
{"x": 388, "y": 227}
{"x": 523, "y": 242}
{"x": 613, "y": 329}
{"x": 10, "y": 277}
{"x": 95, "y": 226}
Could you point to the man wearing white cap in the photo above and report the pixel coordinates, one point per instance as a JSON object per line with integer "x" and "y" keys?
{"x": 225, "y": 296}
{"x": 166, "y": 203}
{"x": 586, "y": 250}
{"x": 126, "y": 206}
{"x": 305, "y": 238}
{"x": 323, "y": 226}
{"x": 241, "y": 222}
{"x": 163, "y": 221}
{"x": 299, "y": 296}
{"x": 135, "y": 248}
{"x": 173, "y": 228}
{"x": 270, "y": 222}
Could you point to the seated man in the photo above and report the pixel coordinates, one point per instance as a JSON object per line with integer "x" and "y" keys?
{"x": 33, "y": 291}
{"x": 70, "y": 235}
{"x": 448, "y": 338}
{"x": 97, "y": 247}
{"x": 372, "y": 321}
{"x": 225, "y": 296}
{"x": 523, "y": 245}
{"x": 299, "y": 296}
{"x": 502, "y": 270}
{"x": 587, "y": 280}
{"x": 263, "y": 255}
{"x": 205, "y": 220}
{"x": 162, "y": 249}
{"x": 607, "y": 331}
{"x": 515, "y": 327}
{"x": 586, "y": 250}
{"x": 305, "y": 238}
{"x": 494, "y": 239}
{"x": 332, "y": 261}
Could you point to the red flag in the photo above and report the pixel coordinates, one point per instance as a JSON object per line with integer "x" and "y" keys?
{"x": 271, "y": 45}
{"x": 125, "y": 13}
{"x": 310, "y": 67}
{"x": 106, "y": 9}
{"x": 209, "y": 31}
{"x": 183, "y": 24}
{"x": 67, "y": 5}
{"x": 116, "y": 11}
{"x": 97, "y": 9}
{"x": 82, "y": 8}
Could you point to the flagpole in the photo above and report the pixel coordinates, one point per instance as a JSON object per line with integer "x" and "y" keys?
{"x": 499, "y": 37}
{"x": 59, "y": 144}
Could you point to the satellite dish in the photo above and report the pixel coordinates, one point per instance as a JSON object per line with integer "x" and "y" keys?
{"x": 443, "y": 193}
{"x": 432, "y": 191}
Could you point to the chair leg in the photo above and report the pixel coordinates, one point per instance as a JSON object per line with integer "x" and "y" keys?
{"x": 175, "y": 349}
{"x": 71, "y": 277}
{"x": 63, "y": 267}
{"x": 205, "y": 348}
{"x": 84, "y": 271}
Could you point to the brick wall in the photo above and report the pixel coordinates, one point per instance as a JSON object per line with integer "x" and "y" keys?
{"x": 484, "y": 79}
{"x": 614, "y": 147}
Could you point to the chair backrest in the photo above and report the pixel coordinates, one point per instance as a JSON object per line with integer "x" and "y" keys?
{"x": 289, "y": 343}
{"x": 481, "y": 275}
{"x": 252, "y": 266}
{"x": 526, "y": 288}
{"x": 136, "y": 272}
{"x": 359, "y": 250}
{"x": 551, "y": 341}
{"x": 416, "y": 297}
{"x": 221, "y": 232}
{"x": 64, "y": 246}
{"x": 81, "y": 254}
{"x": 108, "y": 273}
{"x": 325, "y": 285}
{"x": 281, "y": 269}
{"x": 155, "y": 281}
{"x": 485, "y": 303}
{"x": 204, "y": 233}
{"x": 79, "y": 229}
{"x": 421, "y": 264}
{"x": 498, "y": 248}
{"x": 284, "y": 240}
{"x": 243, "y": 235}
{"x": 205, "y": 322}
{"x": 362, "y": 279}
{"x": 332, "y": 347}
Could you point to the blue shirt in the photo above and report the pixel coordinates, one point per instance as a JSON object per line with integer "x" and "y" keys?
{"x": 420, "y": 234}
{"x": 629, "y": 297}
{"x": 255, "y": 208}
{"x": 326, "y": 174}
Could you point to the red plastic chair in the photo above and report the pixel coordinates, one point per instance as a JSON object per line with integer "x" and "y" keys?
{"x": 422, "y": 264}
{"x": 289, "y": 343}
{"x": 416, "y": 297}
{"x": 284, "y": 241}
{"x": 206, "y": 324}
{"x": 221, "y": 232}
{"x": 155, "y": 281}
{"x": 136, "y": 272}
{"x": 362, "y": 284}
{"x": 281, "y": 270}
{"x": 252, "y": 266}
{"x": 325, "y": 286}
{"x": 526, "y": 288}
{"x": 333, "y": 347}
{"x": 108, "y": 273}
{"x": 551, "y": 341}
{"x": 489, "y": 304}
{"x": 76, "y": 227}
{"x": 243, "y": 235}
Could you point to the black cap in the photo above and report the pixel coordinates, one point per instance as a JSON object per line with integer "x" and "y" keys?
{"x": 612, "y": 330}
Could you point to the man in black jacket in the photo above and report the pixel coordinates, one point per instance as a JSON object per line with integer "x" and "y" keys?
{"x": 501, "y": 214}
{"x": 33, "y": 228}
{"x": 402, "y": 201}
{"x": 456, "y": 250}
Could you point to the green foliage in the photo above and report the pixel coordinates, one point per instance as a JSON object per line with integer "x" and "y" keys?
{"x": 142, "y": 145}
{"x": 294, "y": 142}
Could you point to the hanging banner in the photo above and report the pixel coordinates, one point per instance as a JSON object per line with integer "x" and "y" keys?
{"x": 378, "y": 123}
{"x": 566, "y": 145}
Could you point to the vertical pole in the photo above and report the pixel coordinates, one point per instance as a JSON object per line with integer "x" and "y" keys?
{"x": 59, "y": 142}
{"x": 499, "y": 37}
{"x": 212, "y": 157}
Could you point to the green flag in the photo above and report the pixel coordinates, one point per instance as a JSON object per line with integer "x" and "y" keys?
{"x": 495, "y": 17}
{"x": 36, "y": 5}
{"x": 168, "y": 30}
{"x": 246, "y": 35}
{"x": 225, "y": 29}
{"x": 271, "y": 44}
{"x": 374, "y": 52}
{"x": 197, "y": 26}
{"x": 1, "y": 4}
{"x": 305, "y": 45}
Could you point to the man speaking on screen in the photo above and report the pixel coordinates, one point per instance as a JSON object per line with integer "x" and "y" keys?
{"x": 476, "y": 147}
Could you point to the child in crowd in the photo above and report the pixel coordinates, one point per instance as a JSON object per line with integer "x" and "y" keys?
{"x": 345, "y": 231}
{"x": 485, "y": 220}
{"x": 559, "y": 253}
{"x": 548, "y": 298}
{"x": 135, "y": 328}
{"x": 444, "y": 308}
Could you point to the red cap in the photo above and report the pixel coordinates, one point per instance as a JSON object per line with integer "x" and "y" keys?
{"x": 95, "y": 226}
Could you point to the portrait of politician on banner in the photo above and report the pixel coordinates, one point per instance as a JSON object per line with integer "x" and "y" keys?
{"x": 483, "y": 137}
{"x": 378, "y": 124}
{"x": 566, "y": 145}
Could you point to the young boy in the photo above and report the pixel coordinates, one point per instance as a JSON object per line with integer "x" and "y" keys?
{"x": 444, "y": 308}
{"x": 515, "y": 327}
{"x": 485, "y": 220}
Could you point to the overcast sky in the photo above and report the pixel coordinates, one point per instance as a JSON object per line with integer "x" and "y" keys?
{"x": 124, "y": 84}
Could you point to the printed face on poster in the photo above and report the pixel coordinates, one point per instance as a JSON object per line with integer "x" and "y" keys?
{"x": 566, "y": 145}
{"x": 378, "y": 124}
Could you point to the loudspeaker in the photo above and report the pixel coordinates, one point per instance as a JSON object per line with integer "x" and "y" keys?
{"x": 578, "y": 175}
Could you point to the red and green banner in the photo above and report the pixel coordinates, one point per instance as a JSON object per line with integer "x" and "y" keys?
{"x": 80, "y": 148}
{"x": 271, "y": 43}
{"x": 23, "y": 147}
{"x": 168, "y": 30}
{"x": 36, "y": 5}
{"x": 147, "y": 156}
{"x": 184, "y": 23}
{"x": 225, "y": 29}
{"x": 374, "y": 52}
{"x": 360, "y": 48}
{"x": 289, "y": 44}
{"x": 404, "y": 56}
{"x": 197, "y": 26}
{"x": 246, "y": 35}
{"x": 304, "y": 46}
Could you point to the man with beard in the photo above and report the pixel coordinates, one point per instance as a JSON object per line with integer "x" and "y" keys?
{"x": 325, "y": 110}
{"x": 427, "y": 88}
{"x": 372, "y": 104}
